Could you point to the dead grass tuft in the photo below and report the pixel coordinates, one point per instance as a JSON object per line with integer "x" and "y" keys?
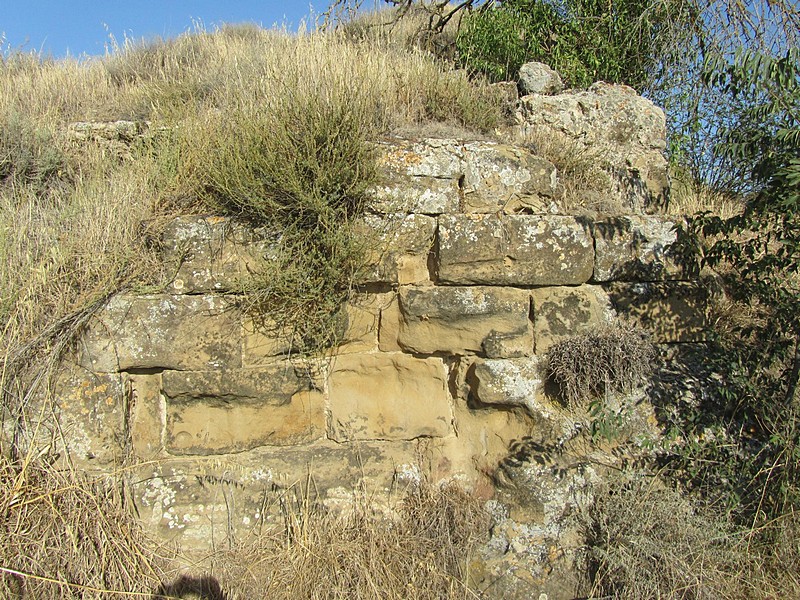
{"x": 610, "y": 359}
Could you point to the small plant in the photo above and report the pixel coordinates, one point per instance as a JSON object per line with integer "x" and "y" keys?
{"x": 609, "y": 360}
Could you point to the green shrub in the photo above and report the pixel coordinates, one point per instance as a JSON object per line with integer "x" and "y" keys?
{"x": 29, "y": 155}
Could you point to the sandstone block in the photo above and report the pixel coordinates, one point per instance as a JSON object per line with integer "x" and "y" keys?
{"x": 389, "y": 331}
{"x": 163, "y": 332}
{"x": 498, "y": 177}
{"x": 91, "y": 416}
{"x": 404, "y": 243}
{"x": 514, "y": 250}
{"x": 262, "y": 342}
{"x": 421, "y": 195}
{"x": 211, "y": 253}
{"x": 465, "y": 320}
{"x": 561, "y": 312}
{"x": 440, "y": 158}
{"x": 672, "y": 311}
{"x": 634, "y": 248}
{"x": 202, "y": 502}
{"x": 147, "y": 415}
{"x": 231, "y": 411}
{"x": 363, "y": 319}
{"x": 388, "y": 397}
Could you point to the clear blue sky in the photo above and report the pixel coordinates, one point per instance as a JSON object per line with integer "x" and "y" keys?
{"x": 56, "y": 27}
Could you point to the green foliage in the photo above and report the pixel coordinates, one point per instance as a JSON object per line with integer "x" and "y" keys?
{"x": 623, "y": 41}
{"x": 747, "y": 440}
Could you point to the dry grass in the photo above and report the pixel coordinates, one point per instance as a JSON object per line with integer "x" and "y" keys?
{"x": 608, "y": 360}
{"x": 421, "y": 551}
{"x": 66, "y": 536}
{"x": 646, "y": 540}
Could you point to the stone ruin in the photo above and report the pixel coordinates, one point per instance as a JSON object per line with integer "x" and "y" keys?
{"x": 484, "y": 265}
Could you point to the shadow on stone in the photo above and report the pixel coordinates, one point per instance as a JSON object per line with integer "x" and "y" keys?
{"x": 190, "y": 588}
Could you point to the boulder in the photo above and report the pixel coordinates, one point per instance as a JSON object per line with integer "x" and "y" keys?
{"x": 539, "y": 78}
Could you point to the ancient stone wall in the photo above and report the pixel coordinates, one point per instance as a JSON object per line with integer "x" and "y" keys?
{"x": 481, "y": 269}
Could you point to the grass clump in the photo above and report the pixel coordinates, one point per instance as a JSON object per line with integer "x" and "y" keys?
{"x": 609, "y": 360}
{"x": 646, "y": 540}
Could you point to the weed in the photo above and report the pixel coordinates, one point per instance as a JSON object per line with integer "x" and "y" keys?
{"x": 609, "y": 360}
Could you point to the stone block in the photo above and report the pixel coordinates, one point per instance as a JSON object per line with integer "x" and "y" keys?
{"x": 465, "y": 320}
{"x": 672, "y": 311}
{"x": 498, "y": 177}
{"x": 514, "y": 250}
{"x": 163, "y": 332}
{"x": 634, "y": 248}
{"x": 203, "y": 503}
{"x": 420, "y": 195}
{"x": 561, "y": 312}
{"x": 363, "y": 319}
{"x": 389, "y": 331}
{"x": 262, "y": 342}
{"x": 439, "y": 158}
{"x": 216, "y": 412}
{"x": 91, "y": 416}
{"x": 388, "y": 397}
{"x": 403, "y": 244}
{"x": 211, "y": 253}
{"x": 147, "y": 416}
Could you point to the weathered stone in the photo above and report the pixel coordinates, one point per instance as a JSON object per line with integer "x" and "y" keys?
{"x": 91, "y": 416}
{"x": 561, "y": 312}
{"x": 404, "y": 243}
{"x": 634, "y": 248}
{"x": 514, "y": 250}
{"x": 216, "y": 412}
{"x": 363, "y": 319}
{"x": 498, "y": 177}
{"x": 441, "y": 158}
{"x": 410, "y": 401}
{"x": 205, "y": 502}
{"x": 421, "y": 195}
{"x": 628, "y": 131}
{"x": 147, "y": 416}
{"x": 539, "y": 78}
{"x": 262, "y": 342}
{"x": 163, "y": 332}
{"x": 672, "y": 311}
{"x": 211, "y": 253}
{"x": 389, "y": 331}
{"x": 464, "y": 320}
{"x": 510, "y": 383}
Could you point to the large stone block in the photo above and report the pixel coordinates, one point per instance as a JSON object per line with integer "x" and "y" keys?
{"x": 211, "y": 253}
{"x": 217, "y": 412}
{"x": 465, "y": 320}
{"x": 388, "y": 397}
{"x": 561, "y": 312}
{"x": 505, "y": 178}
{"x": 634, "y": 248}
{"x": 403, "y": 246}
{"x": 91, "y": 416}
{"x": 205, "y": 503}
{"x": 672, "y": 311}
{"x": 163, "y": 332}
{"x": 440, "y": 158}
{"x": 514, "y": 250}
{"x": 420, "y": 195}
{"x": 147, "y": 416}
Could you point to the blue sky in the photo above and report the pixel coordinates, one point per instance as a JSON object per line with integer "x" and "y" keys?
{"x": 85, "y": 26}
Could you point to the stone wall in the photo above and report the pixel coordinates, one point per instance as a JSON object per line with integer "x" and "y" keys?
{"x": 480, "y": 271}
